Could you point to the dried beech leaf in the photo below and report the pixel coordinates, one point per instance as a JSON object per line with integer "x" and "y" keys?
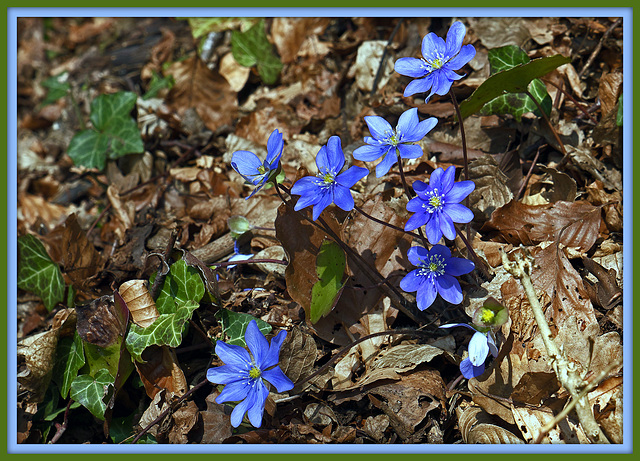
{"x": 530, "y": 421}
{"x": 298, "y": 354}
{"x": 161, "y": 370}
{"x": 103, "y": 321}
{"x": 318, "y": 413}
{"x": 574, "y": 224}
{"x": 606, "y": 401}
{"x": 477, "y": 426}
{"x": 216, "y": 421}
{"x": 492, "y": 190}
{"x": 561, "y": 186}
{"x": 80, "y": 259}
{"x": 184, "y": 419}
{"x": 142, "y": 307}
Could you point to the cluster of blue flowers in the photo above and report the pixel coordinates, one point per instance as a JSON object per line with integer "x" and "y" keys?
{"x": 436, "y": 207}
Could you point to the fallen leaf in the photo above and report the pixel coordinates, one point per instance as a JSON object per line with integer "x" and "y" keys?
{"x": 477, "y": 426}
{"x": 161, "y": 370}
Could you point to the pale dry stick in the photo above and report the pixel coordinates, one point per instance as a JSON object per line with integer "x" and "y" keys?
{"x": 565, "y": 411}
{"x": 566, "y": 372}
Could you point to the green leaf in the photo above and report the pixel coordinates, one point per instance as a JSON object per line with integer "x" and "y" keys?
{"x": 166, "y": 330}
{"x": 91, "y": 391}
{"x": 330, "y": 266}
{"x": 619, "y": 115}
{"x": 37, "y": 273}
{"x": 516, "y": 104}
{"x": 116, "y": 134}
{"x": 157, "y": 83}
{"x": 58, "y": 87}
{"x": 69, "y": 360}
{"x": 234, "y": 325}
{"x": 183, "y": 283}
{"x": 252, "y": 48}
{"x": 102, "y": 358}
{"x": 515, "y": 80}
{"x": 122, "y": 429}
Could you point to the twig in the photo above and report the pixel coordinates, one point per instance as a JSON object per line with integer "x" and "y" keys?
{"x": 399, "y": 229}
{"x": 383, "y": 59}
{"x": 60, "y": 428}
{"x": 464, "y": 151}
{"x": 526, "y": 179}
{"x": 599, "y": 46}
{"x": 566, "y": 371}
{"x": 170, "y": 409}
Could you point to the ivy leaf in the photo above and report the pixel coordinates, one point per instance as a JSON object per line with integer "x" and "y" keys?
{"x": 91, "y": 391}
{"x": 514, "y": 80}
{"x": 116, "y": 134}
{"x": 166, "y": 330}
{"x": 182, "y": 284}
{"x": 330, "y": 266}
{"x": 37, "y": 273}
{"x": 157, "y": 83}
{"x": 252, "y": 48}
{"x": 69, "y": 360}
{"x": 620, "y": 112}
{"x": 58, "y": 87}
{"x": 516, "y": 104}
{"x": 234, "y": 325}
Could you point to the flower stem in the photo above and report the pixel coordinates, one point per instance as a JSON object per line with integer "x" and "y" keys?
{"x": 553, "y": 130}
{"x": 478, "y": 262}
{"x": 399, "y": 229}
{"x": 407, "y": 191}
{"x": 464, "y": 151}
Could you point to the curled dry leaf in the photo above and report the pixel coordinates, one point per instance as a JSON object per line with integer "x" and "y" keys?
{"x": 321, "y": 414}
{"x": 492, "y": 190}
{"x": 530, "y": 421}
{"x": 102, "y": 321}
{"x": 477, "y": 426}
{"x": 216, "y": 421}
{"x": 161, "y": 370}
{"x": 184, "y": 420}
{"x": 574, "y": 224}
{"x": 142, "y": 307}
{"x": 367, "y": 62}
{"x": 289, "y": 34}
{"x": 606, "y": 400}
{"x": 80, "y": 259}
{"x": 298, "y": 354}
{"x": 555, "y": 186}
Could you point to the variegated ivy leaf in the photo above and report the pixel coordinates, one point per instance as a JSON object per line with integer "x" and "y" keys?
{"x": 37, "y": 273}
{"x": 69, "y": 360}
{"x": 166, "y": 330}
{"x": 91, "y": 391}
{"x": 182, "y": 284}
{"x": 234, "y": 325}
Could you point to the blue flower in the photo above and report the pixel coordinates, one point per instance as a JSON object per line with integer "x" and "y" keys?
{"x": 435, "y": 70}
{"x": 249, "y": 166}
{"x": 435, "y": 274}
{"x": 386, "y": 141}
{"x": 244, "y": 374}
{"x": 437, "y": 205}
{"x": 329, "y": 185}
{"x": 479, "y": 347}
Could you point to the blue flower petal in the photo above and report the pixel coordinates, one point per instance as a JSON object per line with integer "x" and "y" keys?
{"x": 459, "y": 191}
{"x": 441, "y": 84}
{"x": 417, "y": 255}
{"x": 411, "y": 67}
{"x": 274, "y": 148}
{"x": 455, "y": 36}
{"x": 426, "y": 295}
{"x": 412, "y": 281}
{"x": 407, "y": 122}
{"x": 492, "y": 344}
{"x": 370, "y": 153}
{"x": 419, "y": 219}
{"x": 466, "y": 54}
{"x": 278, "y": 379}
{"x": 432, "y": 229}
{"x": 351, "y": 176}
{"x": 233, "y": 355}
{"x": 322, "y": 160}
{"x": 459, "y": 266}
{"x": 478, "y": 348}
{"x": 226, "y": 374}
{"x": 415, "y": 205}
{"x": 379, "y": 127}
{"x": 342, "y": 197}
{"x": 324, "y": 202}
{"x": 431, "y": 46}
{"x": 458, "y": 213}
{"x": 241, "y": 408}
{"x": 235, "y": 391}
{"x": 446, "y": 226}
{"x": 449, "y": 289}
{"x": 386, "y": 163}
{"x": 442, "y": 251}
{"x": 446, "y": 181}
{"x": 273, "y": 355}
{"x": 469, "y": 370}
{"x": 246, "y": 164}
{"x": 410, "y": 150}
{"x": 335, "y": 154}
{"x": 256, "y": 405}
{"x": 420, "y": 187}
{"x": 435, "y": 178}
{"x": 257, "y": 343}
{"x": 420, "y": 130}
{"x": 420, "y": 85}
{"x": 452, "y": 325}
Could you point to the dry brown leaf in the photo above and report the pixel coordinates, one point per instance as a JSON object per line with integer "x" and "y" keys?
{"x": 207, "y": 91}
{"x": 492, "y": 190}
{"x": 530, "y": 421}
{"x": 368, "y": 61}
{"x": 102, "y": 321}
{"x": 260, "y": 123}
{"x": 574, "y": 224}
{"x": 80, "y": 259}
{"x": 216, "y": 421}
{"x": 298, "y": 354}
{"x": 184, "y": 419}
{"x": 555, "y": 186}
{"x": 585, "y": 159}
{"x": 477, "y": 426}
{"x": 161, "y": 371}
{"x": 233, "y": 72}
{"x": 142, "y": 307}
{"x": 606, "y": 400}
{"x": 289, "y": 34}
{"x": 319, "y": 413}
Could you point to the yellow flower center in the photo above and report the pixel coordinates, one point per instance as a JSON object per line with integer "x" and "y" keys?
{"x": 262, "y": 169}
{"x": 254, "y": 373}
{"x": 487, "y": 316}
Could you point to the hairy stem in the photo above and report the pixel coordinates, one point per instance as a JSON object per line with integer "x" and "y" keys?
{"x": 399, "y": 229}
{"x": 464, "y": 151}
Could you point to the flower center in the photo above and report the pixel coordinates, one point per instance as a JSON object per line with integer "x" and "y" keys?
{"x": 254, "y": 373}
{"x": 326, "y": 179}
{"x": 262, "y": 169}
{"x": 435, "y": 201}
{"x": 434, "y": 266}
{"x": 487, "y": 316}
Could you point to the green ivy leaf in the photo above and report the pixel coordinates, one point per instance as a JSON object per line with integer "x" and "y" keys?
{"x": 330, "y": 266}
{"x": 158, "y": 83}
{"x": 234, "y": 325}
{"x": 183, "y": 283}
{"x": 69, "y": 360}
{"x": 516, "y": 104}
{"x": 37, "y": 273}
{"x": 166, "y": 330}
{"x": 514, "y": 80}
{"x": 57, "y": 87}
{"x": 252, "y": 48}
{"x": 116, "y": 134}
{"x": 619, "y": 114}
{"x": 91, "y": 391}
